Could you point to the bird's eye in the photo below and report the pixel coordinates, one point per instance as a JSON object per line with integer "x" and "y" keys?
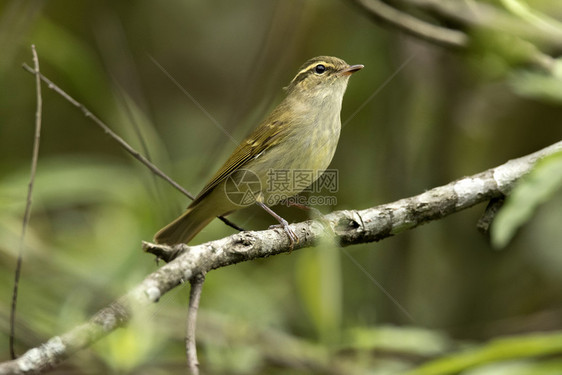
{"x": 320, "y": 69}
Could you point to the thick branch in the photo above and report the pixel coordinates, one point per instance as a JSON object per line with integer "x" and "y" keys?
{"x": 349, "y": 227}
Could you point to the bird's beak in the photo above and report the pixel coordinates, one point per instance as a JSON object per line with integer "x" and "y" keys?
{"x": 351, "y": 69}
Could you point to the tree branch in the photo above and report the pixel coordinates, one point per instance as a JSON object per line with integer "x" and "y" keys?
{"x": 467, "y": 16}
{"x": 443, "y": 36}
{"x": 349, "y": 227}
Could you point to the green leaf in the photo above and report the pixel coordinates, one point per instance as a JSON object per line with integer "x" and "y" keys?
{"x": 533, "y": 16}
{"x": 411, "y": 340}
{"x": 533, "y": 190}
{"x": 502, "y": 349}
{"x": 539, "y": 85}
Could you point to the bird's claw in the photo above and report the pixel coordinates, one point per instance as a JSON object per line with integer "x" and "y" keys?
{"x": 293, "y": 238}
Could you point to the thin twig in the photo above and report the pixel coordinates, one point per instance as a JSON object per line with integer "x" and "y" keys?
{"x": 119, "y": 140}
{"x": 485, "y": 222}
{"x": 414, "y": 26}
{"x": 190, "y": 345}
{"x": 27, "y": 212}
{"x": 486, "y": 16}
{"x": 469, "y": 15}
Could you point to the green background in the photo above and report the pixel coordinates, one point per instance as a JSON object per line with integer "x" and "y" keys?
{"x": 418, "y": 116}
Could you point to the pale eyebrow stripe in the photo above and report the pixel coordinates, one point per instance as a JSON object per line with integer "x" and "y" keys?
{"x": 308, "y": 67}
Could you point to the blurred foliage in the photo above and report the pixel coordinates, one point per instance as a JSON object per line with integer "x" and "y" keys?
{"x": 514, "y": 348}
{"x": 535, "y": 188}
{"x": 416, "y": 117}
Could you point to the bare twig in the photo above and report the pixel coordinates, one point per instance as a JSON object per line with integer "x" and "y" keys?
{"x": 487, "y": 218}
{"x": 349, "y": 227}
{"x": 485, "y": 16}
{"x": 190, "y": 343}
{"x": 119, "y": 140}
{"x": 489, "y": 16}
{"x": 473, "y": 15}
{"x": 412, "y": 25}
{"x": 27, "y": 213}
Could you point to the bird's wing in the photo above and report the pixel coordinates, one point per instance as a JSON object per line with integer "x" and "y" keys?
{"x": 264, "y": 137}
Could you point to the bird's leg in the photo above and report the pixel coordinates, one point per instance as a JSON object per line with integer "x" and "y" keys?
{"x": 282, "y": 223}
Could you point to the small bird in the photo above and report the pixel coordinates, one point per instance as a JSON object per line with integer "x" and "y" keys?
{"x": 300, "y": 134}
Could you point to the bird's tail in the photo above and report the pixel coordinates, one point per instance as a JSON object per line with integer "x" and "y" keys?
{"x": 185, "y": 227}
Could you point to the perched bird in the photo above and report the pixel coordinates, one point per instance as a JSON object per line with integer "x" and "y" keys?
{"x": 300, "y": 134}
